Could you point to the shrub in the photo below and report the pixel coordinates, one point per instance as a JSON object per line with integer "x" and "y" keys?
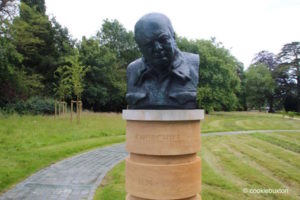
{"x": 35, "y": 105}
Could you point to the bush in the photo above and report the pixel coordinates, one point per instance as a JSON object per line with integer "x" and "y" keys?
{"x": 35, "y": 105}
{"x": 293, "y": 114}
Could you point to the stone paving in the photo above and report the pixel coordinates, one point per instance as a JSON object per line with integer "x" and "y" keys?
{"x": 78, "y": 177}
{"x": 248, "y": 132}
{"x": 70, "y": 179}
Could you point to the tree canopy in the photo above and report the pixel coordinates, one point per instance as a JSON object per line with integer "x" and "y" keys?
{"x": 289, "y": 69}
{"x": 259, "y": 85}
{"x": 219, "y": 82}
{"x": 39, "y": 58}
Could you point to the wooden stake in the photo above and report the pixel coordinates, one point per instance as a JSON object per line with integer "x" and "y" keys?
{"x": 55, "y": 110}
{"x": 71, "y": 109}
{"x": 78, "y": 112}
{"x": 59, "y": 109}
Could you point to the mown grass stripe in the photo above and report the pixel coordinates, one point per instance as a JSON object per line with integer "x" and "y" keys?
{"x": 286, "y": 173}
{"x": 285, "y": 155}
{"x": 215, "y": 174}
{"x": 279, "y": 142}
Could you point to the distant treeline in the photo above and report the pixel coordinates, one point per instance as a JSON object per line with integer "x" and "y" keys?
{"x": 40, "y": 62}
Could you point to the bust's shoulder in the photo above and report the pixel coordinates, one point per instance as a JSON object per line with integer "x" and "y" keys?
{"x": 136, "y": 64}
{"x": 191, "y": 58}
{"x": 134, "y": 70}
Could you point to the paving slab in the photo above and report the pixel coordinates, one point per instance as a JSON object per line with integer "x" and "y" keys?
{"x": 73, "y": 178}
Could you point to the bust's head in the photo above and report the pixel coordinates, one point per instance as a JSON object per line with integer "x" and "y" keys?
{"x": 155, "y": 37}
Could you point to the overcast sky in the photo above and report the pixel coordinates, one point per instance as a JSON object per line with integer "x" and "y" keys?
{"x": 243, "y": 26}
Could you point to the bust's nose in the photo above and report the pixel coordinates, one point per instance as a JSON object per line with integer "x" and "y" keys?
{"x": 157, "y": 46}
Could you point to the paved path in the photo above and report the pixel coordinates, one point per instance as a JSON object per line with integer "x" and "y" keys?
{"x": 78, "y": 177}
{"x": 70, "y": 179}
{"x": 247, "y": 132}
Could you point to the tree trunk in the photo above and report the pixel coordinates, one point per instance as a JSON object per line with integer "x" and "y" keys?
{"x": 271, "y": 102}
{"x": 298, "y": 88}
{"x": 298, "y": 82}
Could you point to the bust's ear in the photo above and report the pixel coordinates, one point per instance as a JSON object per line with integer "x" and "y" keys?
{"x": 138, "y": 45}
{"x": 174, "y": 36}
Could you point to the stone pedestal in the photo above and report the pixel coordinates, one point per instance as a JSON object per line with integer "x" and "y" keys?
{"x": 163, "y": 164}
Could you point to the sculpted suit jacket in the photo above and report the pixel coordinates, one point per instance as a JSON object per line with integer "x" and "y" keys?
{"x": 175, "y": 89}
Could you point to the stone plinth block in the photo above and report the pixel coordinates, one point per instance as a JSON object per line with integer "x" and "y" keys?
{"x": 163, "y": 164}
{"x": 168, "y": 181}
{"x": 163, "y": 137}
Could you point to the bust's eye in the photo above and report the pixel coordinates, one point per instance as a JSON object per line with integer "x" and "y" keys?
{"x": 163, "y": 39}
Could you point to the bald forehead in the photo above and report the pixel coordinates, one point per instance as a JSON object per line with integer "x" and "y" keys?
{"x": 152, "y": 24}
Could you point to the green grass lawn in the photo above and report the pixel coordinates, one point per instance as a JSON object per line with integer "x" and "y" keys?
{"x": 30, "y": 143}
{"x": 237, "y": 121}
{"x": 232, "y": 163}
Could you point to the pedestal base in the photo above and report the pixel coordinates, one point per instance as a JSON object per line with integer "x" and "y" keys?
{"x": 163, "y": 162}
{"x": 130, "y": 197}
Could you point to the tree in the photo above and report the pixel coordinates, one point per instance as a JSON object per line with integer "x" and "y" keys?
{"x": 271, "y": 62}
{"x": 259, "y": 85}
{"x": 219, "y": 83}
{"x": 78, "y": 73}
{"x": 290, "y": 67}
{"x": 241, "y": 94}
{"x": 108, "y": 54}
{"x": 117, "y": 39}
{"x": 106, "y": 80}
{"x": 63, "y": 87}
{"x": 12, "y": 77}
{"x": 15, "y": 82}
{"x": 43, "y": 44}
{"x": 8, "y": 10}
{"x": 34, "y": 40}
{"x": 267, "y": 58}
{"x": 37, "y": 5}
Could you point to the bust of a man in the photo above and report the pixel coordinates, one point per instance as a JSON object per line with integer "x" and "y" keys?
{"x": 165, "y": 77}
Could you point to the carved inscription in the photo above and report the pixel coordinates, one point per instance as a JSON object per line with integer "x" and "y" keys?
{"x": 145, "y": 139}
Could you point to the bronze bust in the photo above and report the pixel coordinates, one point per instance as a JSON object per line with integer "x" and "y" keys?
{"x": 165, "y": 77}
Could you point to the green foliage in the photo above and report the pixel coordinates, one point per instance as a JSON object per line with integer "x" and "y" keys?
{"x": 259, "y": 85}
{"x": 42, "y": 43}
{"x": 107, "y": 55}
{"x": 289, "y": 74}
{"x": 28, "y": 85}
{"x": 292, "y": 114}
{"x": 9, "y": 59}
{"x": 121, "y": 42}
{"x": 37, "y": 53}
{"x": 78, "y": 73}
{"x": 70, "y": 78}
{"x": 37, "y": 5}
{"x": 219, "y": 83}
{"x": 17, "y": 84}
{"x": 63, "y": 88}
{"x": 63, "y": 42}
{"x": 34, "y": 40}
{"x": 35, "y": 106}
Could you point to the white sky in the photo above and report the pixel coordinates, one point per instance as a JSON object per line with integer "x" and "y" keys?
{"x": 243, "y": 26}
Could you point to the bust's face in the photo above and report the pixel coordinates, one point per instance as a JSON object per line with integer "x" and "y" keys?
{"x": 157, "y": 44}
